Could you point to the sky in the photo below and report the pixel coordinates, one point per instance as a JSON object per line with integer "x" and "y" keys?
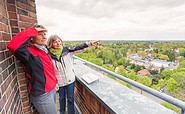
{"x": 113, "y": 19}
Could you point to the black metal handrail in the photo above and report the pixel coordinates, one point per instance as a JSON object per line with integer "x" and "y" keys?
{"x": 156, "y": 93}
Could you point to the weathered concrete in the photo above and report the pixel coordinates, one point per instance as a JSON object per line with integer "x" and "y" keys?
{"x": 117, "y": 97}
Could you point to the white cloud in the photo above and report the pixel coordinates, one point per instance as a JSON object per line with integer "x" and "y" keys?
{"x": 113, "y": 19}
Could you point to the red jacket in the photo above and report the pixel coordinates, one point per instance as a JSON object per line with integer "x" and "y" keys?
{"x": 37, "y": 63}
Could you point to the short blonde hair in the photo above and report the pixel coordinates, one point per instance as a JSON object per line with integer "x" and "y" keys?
{"x": 51, "y": 39}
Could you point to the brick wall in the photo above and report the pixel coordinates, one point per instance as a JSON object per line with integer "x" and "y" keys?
{"x": 88, "y": 103}
{"x": 15, "y": 15}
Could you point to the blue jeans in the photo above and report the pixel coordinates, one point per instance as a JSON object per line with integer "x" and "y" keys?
{"x": 69, "y": 90}
{"x": 45, "y": 103}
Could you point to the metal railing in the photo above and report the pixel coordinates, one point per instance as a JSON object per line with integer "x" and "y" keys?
{"x": 156, "y": 93}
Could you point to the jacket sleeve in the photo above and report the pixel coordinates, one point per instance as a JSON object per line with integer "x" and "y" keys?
{"x": 21, "y": 38}
{"x": 79, "y": 48}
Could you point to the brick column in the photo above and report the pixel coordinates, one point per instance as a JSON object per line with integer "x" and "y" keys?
{"x": 15, "y": 15}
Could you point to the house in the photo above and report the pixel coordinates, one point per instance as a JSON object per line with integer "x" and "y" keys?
{"x": 143, "y": 72}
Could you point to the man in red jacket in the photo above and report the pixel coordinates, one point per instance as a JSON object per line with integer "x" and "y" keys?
{"x": 29, "y": 46}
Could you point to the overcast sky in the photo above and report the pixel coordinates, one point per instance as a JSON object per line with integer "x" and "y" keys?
{"x": 113, "y": 19}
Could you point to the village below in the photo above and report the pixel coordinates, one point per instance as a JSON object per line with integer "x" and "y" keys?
{"x": 158, "y": 65}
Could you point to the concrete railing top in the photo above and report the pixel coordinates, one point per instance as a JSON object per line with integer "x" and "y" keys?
{"x": 117, "y": 97}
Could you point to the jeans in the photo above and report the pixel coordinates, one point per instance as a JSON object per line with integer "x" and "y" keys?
{"x": 45, "y": 103}
{"x": 69, "y": 90}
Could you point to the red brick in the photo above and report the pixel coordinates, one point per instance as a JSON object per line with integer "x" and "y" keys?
{"x": 26, "y": 7}
{"x": 18, "y": 63}
{"x": 23, "y": 87}
{"x": 26, "y": 104}
{"x": 23, "y": 12}
{"x": 11, "y": 1}
{"x": 13, "y": 23}
{"x": 4, "y": 20}
{"x": 10, "y": 99}
{"x": 8, "y": 91}
{"x": 3, "y": 11}
{"x": 27, "y": 109}
{"x": 23, "y": 24}
{"x": 19, "y": 109}
{"x": 20, "y": 70}
{"x": 1, "y": 38}
{"x": 11, "y": 7}
{"x": 14, "y": 84}
{"x": 5, "y": 73}
{"x": 6, "y": 36}
{"x": 2, "y": 102}
{"x": 2, "y": 57}
{"x": 27, "y": 19}
{"x": 5, "y": 28}
{"x": 31, "y": 9}
{"x": 20, "y": 76}
{"x": 25, "y": 99}
{"x": 1, "y": 27}
{"x": 3, "y": 112}
{"x": 12, "y": 15}
{"x": 7, "y": 82}
{"x": 2, "y": 3}
{"x": 2, "y": 46}
{"x": 23, "y": 1}
{"x": 15, "y": 30}
{"x": 23, "y": 81}
{"x": 31, "y": 3}
{"x": 31, "y": 14}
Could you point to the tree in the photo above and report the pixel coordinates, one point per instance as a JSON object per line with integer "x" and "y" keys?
{"x": 182, "y": 52}
{"x": 154, "y": 55}
{"x": 118, "y": 56}
{"x": 171, "y": 85}
{"x": 161, "y": 83}
{"x": 120, "y": 61}
{"x": 111, "y": 68}
{"x": 163, "y": 57}
{"x": 182, "y": 64}
{"x": 179, "y": 77}
{"x": 125, "y": 62}
{"x": 144, "y": 80}
{"x": 99, "y": 53}
{"x": 141, "y": 53}
{"x": 122, "y": 72}
{"x": 132, "y": 75}
{"x": 107, "y": 56}
{"x": 171, "y": 55}
{"x": 138, "y": 68}
{"x": 123, "y": 52}
{"x": 167, "y": 74}
{"x": 162, "y": 68}
{"x": 115, "y": 64}
{"x": 97, "y": 61}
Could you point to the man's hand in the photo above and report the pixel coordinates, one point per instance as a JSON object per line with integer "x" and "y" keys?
{"x": 41, "y": 29}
